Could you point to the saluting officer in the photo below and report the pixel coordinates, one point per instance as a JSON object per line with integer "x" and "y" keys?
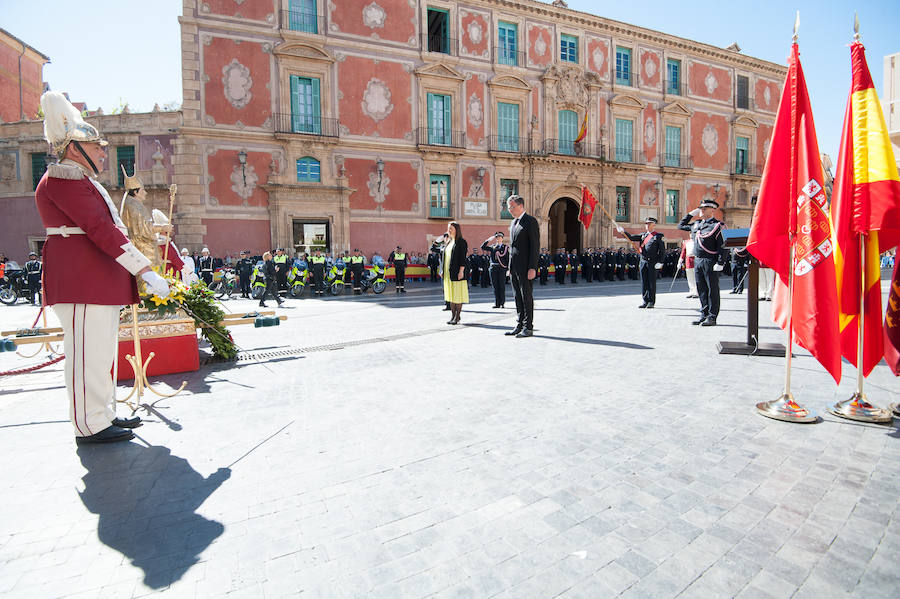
{"x": 709, "y": 243}
{"x": 244, "y": 267}
{"x": 206, "y": 267}
{"x": 318, "y": 268}
{"x": 398, "y": 260}
{"x": 653, "y": 249}
{"x": 499, "y": 261}
{"x": 33, "y": 278}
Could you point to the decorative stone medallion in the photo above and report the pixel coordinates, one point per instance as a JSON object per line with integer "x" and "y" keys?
{"x": 475, "y": 111}
{"x": 376, "y": 103}
{"x": 238, "y": 177}
{"x": 373, "y": 16}
{"x": 540, "y": 46}
{"x": 377, "y": 193}
{"x": 237, "y": 82}
{"x": 710, "y": 139}
{"x": 599, "y": 58}
{"x": 767, "y": 95}
{"x": 650, "y": 131}
{"x": 475, "y": 32}
{"x": 711, "y": 83}
{"x": 650, "y": 67}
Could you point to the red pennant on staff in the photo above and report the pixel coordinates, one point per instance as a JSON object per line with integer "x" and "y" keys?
{"x": 588, "y": 205}
{"x": 791, "y": 212}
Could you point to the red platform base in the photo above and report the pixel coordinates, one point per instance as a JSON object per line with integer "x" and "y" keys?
{"x": 179, "y": 353}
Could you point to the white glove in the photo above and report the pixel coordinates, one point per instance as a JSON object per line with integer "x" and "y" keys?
{"x": 156, "y": 283}
{"x": 680, "y": 264}
{"x": 658, "y": 265}
{"x": 620, "y": 229}
{"x": 719, "y": 267}
{"x": 695, "y": 212}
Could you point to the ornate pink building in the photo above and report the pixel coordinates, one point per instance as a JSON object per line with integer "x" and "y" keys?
{"x": 371, "y": 123}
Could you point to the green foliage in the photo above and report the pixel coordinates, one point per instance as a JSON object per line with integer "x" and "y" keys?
{"x": 200, "y": 304}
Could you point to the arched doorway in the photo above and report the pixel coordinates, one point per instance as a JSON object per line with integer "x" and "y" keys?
{"x": 565, "y": 228}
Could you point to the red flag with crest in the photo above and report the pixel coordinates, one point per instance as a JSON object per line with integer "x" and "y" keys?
{"x": 588, "y": 205}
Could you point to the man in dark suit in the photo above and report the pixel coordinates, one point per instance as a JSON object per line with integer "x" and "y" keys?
{"x": 523, "y": 260}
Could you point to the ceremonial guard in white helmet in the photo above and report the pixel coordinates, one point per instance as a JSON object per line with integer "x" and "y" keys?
{"x": 84, "y": 228}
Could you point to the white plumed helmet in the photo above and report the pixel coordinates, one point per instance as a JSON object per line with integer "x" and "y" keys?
{"x": 63, "y": 123}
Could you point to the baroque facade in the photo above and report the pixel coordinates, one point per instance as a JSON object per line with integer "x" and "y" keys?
{"x": 368, "y": 123}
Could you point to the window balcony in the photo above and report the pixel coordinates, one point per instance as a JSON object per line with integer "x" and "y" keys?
{"x": 509, "y": 57}
{"x": 440, "y": 208}
{"x": 743, "y": 103}
{"x": 505, "y": 143}
{"x": 580, "y": 149}
{"x": 629, "y": 156}
{"x": 746, "y": 169}
{"x": 426, "y": 136}
{"x": 306, "y": 22}
{"x": 673, "y": 87}
{"x": 676, "y": 161}
{"x": 307, "y": 125}
{"x": 439, "y": 44}
{"x": 624, "y": 77}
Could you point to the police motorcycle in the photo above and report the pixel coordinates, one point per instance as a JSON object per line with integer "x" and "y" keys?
{"x": 224, "y": 283}
{"x": 374, "y": 278}
{"x": 257, "y": 281}
{"x": 334, "y": 278}
{"x": 13, "y": 285}
{"x": 297, "y": 278}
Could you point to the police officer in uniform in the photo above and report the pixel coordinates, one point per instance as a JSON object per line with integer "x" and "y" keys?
{"x": 499, "y": 263}
{"x": 544, "y": 261}
{"x": 709, "y": 257}
{"x": 587, "y": 268}
{"x": 574, "y": 260}
{"x": 317, "y": 261}
{"x": 243, "y": 268}
{"x": 33, "y": 278}
{"x": 281, "y": 269}
{"x": 270, "y": 273}
{"x": 398, "y": 260}
{"x": 653, "y": 249}
{"x": 559, "y": 264}
{"x": 206, "y": 267}
{"x": 474, "y": 268}
{"x": 357, "y": 265}
{"x": 484, "y": 261}
{"x": 740, "y": 258}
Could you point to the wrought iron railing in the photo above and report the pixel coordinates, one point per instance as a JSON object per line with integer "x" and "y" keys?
{"x": 623, "y": 77}
{"x": 673, "y": 87}
{"x": 505, "y": 143}
{"x": 746, "y": 168}
{"x": 307, "y": 125}
{"x": 439, "y": 44}
{"x": 426, "y": 136}
{"x": 667, "y": 160}
{"x": 629, "y": 156}
{"x": 440, "y": 209}
{"x": 509, "y": 57}
{"x": 571, "y": 148}
{"x": 743, "y": 102}
{"x": 298, "y": 20}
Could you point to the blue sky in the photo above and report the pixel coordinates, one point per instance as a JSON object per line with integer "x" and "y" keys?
{"x": 132, "y": 50}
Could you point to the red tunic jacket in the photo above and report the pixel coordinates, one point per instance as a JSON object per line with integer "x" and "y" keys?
{"x": 96, "y": 267}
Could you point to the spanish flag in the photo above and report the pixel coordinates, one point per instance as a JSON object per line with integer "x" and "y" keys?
{"x": 865, "y": 210}
{"x": 582, "y": 133}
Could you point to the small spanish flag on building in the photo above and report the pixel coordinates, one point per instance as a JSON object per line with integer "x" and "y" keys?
{"x": 582, "y": 133}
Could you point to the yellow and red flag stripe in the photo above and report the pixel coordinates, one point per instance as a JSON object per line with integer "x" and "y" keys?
{"x": 866, "y": 204}
{"x": 583, "y": 131}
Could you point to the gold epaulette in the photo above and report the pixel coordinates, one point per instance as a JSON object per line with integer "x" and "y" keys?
{"x": 65, "y": 171}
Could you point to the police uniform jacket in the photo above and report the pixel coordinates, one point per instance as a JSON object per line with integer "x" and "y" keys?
{"x": 709, "y": 240}
{"x": 653, "y": 248}
{"x": 243, "y": 267}
{"x": 499, "y": 254}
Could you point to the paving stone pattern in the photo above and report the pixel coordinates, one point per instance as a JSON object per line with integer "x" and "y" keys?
{"x": 613, "y": 454}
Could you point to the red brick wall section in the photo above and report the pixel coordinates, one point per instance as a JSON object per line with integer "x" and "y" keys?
{"x": 651, "y": 132}
{"x": 230, "y": 236}
{"x": 248, "y": 99}
{"x": 774, "y": 95}
{"x": 32, "y": 85}
{"x": 541, "y": 45}
{"x": 20, "y": 219}
{"x": 383, "y": 237}
{"x": 393, "y": 20}
{"x": 763, "y": 138}
{"x": 471, "y": 183}
{"x": 717, "y": 87}
{"x": 475, "y": 111}
{"x": 535, "y": 107}
{"x": 651, "y": 69}
{"x": 375, "y": 97}
{"x": 598, "y": 57}
{"x": 709, "y": 141}
{"x": 254, "y": 10}
{"x": 474, "y": 34}
{"x": 227, "y": 180}
{"x": 649, "y": 196}
{"x": 398, "y": 185}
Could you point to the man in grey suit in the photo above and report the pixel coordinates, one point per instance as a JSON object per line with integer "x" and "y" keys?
{"x": 524, "y": 248}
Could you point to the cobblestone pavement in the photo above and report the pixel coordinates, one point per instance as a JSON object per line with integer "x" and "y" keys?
{"x": 367, "y": 449}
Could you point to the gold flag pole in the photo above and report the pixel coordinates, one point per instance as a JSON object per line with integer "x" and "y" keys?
{"x": 139, "y": 367}
{"x": 172, "y": 189}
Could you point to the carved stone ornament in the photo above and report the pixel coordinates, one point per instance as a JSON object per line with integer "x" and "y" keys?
{"x": 767, "y": 95}
{"x": 570, "y": 84}
{"x": 711, "y": 83}
{"x": 710, "y": 139}
{"x": 475, "y": 111}
{"x": 475, "y": 32}
{"x": 376, "y": 102}
{"x": 238, "y": 177}
{"x": 237, "y": 83}
{"x": 378, "y": 193}
{"x": 540, "y": 46}
{"x": 8, "y": 167}
{"x": 599, "y": 56}
{"x": 374, "y": 16}
{"x": 650, "y": 131}
{"x": 650, "y": 66}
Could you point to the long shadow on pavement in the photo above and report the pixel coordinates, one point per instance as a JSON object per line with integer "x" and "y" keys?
{"x": 568, "y": 339}
{"x": 147, "y": 499}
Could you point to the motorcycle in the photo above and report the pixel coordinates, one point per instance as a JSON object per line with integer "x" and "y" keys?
{"x": 224, "y": 283}
{"x": 334, "y": 279}
{"x": 13, "y": 285}
{"x": 297, "y": 279}
{"x": 375, "y": 279}
{"x": 257, "y": 281}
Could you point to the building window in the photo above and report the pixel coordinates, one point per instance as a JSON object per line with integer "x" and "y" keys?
{"x": 124, "y": 159}
{"x": 39, "y": 162}
{"x": 568, "y": 131}
{"x": 624, "y": 140}
{"x": 743, "y": 92}
{"x": 673, "y": 146}
{"x": 439, "y": 119}
{"x": 742, "y": 196}
{"x": 508, "y": 187}
{"x": 673, "y": 215}
{"x": 673, "y": 77}
{"x": 741, "y": 153}
{"x": 568, "y": 48}
{"x": 623, "y": 201}
{"x": 508, "y": 127}
{"x": 623, "y": 65}
{"x": 308, "y": 170}
{"x": 439, "y": 205}
{"x": 302, "y": 16}
{"x": 438, "y": 31}
{"x": 507, "y": 37}
{"x": 306, "y": 114}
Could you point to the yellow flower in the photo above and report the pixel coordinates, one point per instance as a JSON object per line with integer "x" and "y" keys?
{"x": 159, "y": 301}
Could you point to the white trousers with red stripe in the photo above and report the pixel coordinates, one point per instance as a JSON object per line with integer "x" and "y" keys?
{"x": 692, "y": 280}
{"x": 90, "y": 335}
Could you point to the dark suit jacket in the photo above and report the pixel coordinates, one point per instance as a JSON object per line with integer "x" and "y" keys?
{"x": 524, "y": 246}
{"x": 458, "y": 259}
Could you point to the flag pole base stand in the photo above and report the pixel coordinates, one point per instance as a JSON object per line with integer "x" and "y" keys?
{"x": 858, "y": 408}
{"x": 746, "y": 349}
{"x": 786, "y": 409}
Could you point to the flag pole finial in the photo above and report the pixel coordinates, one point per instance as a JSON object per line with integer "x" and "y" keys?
{"x": 796, "y": 27}
{"x": 855, "y": 27}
